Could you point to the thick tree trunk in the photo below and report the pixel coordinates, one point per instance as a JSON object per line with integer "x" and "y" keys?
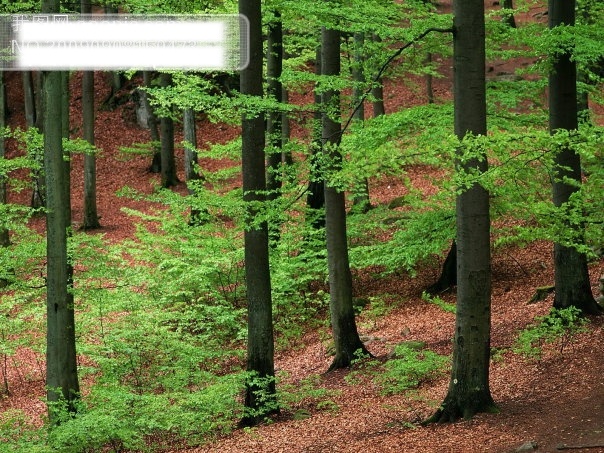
{"x": 343, "y": 324}
{"x": 260, "y": 395}
{"x": 61, "y": 364}
{"x": 571, "y": 277}
{"x": 469, "y": 391}
{"x": 166, "y": 125}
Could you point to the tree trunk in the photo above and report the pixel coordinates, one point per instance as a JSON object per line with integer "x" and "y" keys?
{"x": 274, "y": 65}
{"x": 508, "y": 17}
{"x": 91, "y": 217}
{"x": 191, "y": 171}
{"x": 360, "y": 199}
{"x": 4, "y": 234}
{"x": 260, "y": 395}
{"x": 571, "y": 277}
{"x": 166, "y": 125}
{"x": 61, "y": 363}
{"x": 31, "y": 120}
{"x": 469, "y": 392}
{"x": 315, "y": 200}
{"x": 152, "y": 123}
{"x": 377, "y": 92}
{"x": 448, "y": 275}
{"x": 29, "y": 99}
{"x": 285, "y": 130}
{"x": 65, "y": 98}
{"x": 343, "y": 324}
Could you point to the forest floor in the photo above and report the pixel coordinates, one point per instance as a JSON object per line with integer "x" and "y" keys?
{"x": 556, "y": 400}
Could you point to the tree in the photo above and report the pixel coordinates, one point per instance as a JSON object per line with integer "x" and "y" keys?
{"x": 152, "y": 123}
{"x": 468, "y": 391}
{"x": 361, "y": 201}
{"x": 508, "y": 15}
{"x": 260, "y": 395}
{"x": 571, "y": 277}
{"x": 343, "y": 324}
{"x": 91, "y": 217}
{"x": 4, "y": 234}
{"x": 166, "y": 126}
{"x": 61, "y": 364}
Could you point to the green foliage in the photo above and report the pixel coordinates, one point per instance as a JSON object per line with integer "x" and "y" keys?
{"x": 560, "y": 325}
{"x": 407, "y": 368}
{"x": 445, "y": 306}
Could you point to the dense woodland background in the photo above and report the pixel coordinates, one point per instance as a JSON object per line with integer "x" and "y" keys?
{"x": 183, "y": 227}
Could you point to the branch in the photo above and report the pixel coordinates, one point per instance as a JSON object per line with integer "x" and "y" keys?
{"x": 386, "y": 64}
{"x": 578, "y": 447}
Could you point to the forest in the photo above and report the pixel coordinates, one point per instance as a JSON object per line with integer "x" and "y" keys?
{"x": 385, "y": 232}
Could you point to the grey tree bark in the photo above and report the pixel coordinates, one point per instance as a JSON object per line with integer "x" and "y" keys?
{"x": 315, "y": 199}
{"x": 166, "y": 126}
{"x": 469, "y": 392}
{"x": 343, "y": 324}
{"x": 377, "y": 92}
{"x": 152, "y": 123}
{"x": 274, "y": 126}
{"x": 571, "y": 277}
{"x": 4, "y": 233}
{"x": 91, "y": 217}
{"x": 260, "y": 395}
{"x": 61, "y": 364}
{"x": 360, "y": 199}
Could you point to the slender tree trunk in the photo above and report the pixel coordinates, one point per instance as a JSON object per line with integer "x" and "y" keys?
{"x": 61, "y": 363}
{"x": 38, "y": 192}
{"x": 315, "y": 199}
{"x": 191, "y": 171}
{"x": 166, "y": 125}
{"x": 360, "y": 200}
{"x": 285, "y": 130}
{"x": 152, "y": 123}
{"x": 260, "y": 395}
{"x": 274, "y": 65}
{"x": 469, "y": 392}
{"x": 429, "y": 79}
{"x": 4, "y": 234}
{"x": 39, "y": 100}
{"x": 343, "y": 324}
{"x": 571, "y": 277}
{"x": 91, "y": 218}
{"x": 448, "y": 275}
{"x": 29, "y": 99}
{"x": 377, "y": 92}
{"x": 508, "y": 17}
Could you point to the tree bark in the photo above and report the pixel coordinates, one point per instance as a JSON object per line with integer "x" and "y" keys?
{"x": 377, "y": 92}
{"x": 360, "y": 200}
{"x": 571, "y": 277}
{"x": 315, "y": 200}
{"x": 61, "y": 364}
{"x": 152, "y": 123}
{"x": 260, "y": 395}
{"x": 346, "y": 338}
{"x": 508, "y": 17}
{"x": 29, "y": 99}
{"x": 91, "y": 217}
{"x": 469, "y": 391}
{"x": 4, "y": 233}
{"x": 166, "y": 125}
